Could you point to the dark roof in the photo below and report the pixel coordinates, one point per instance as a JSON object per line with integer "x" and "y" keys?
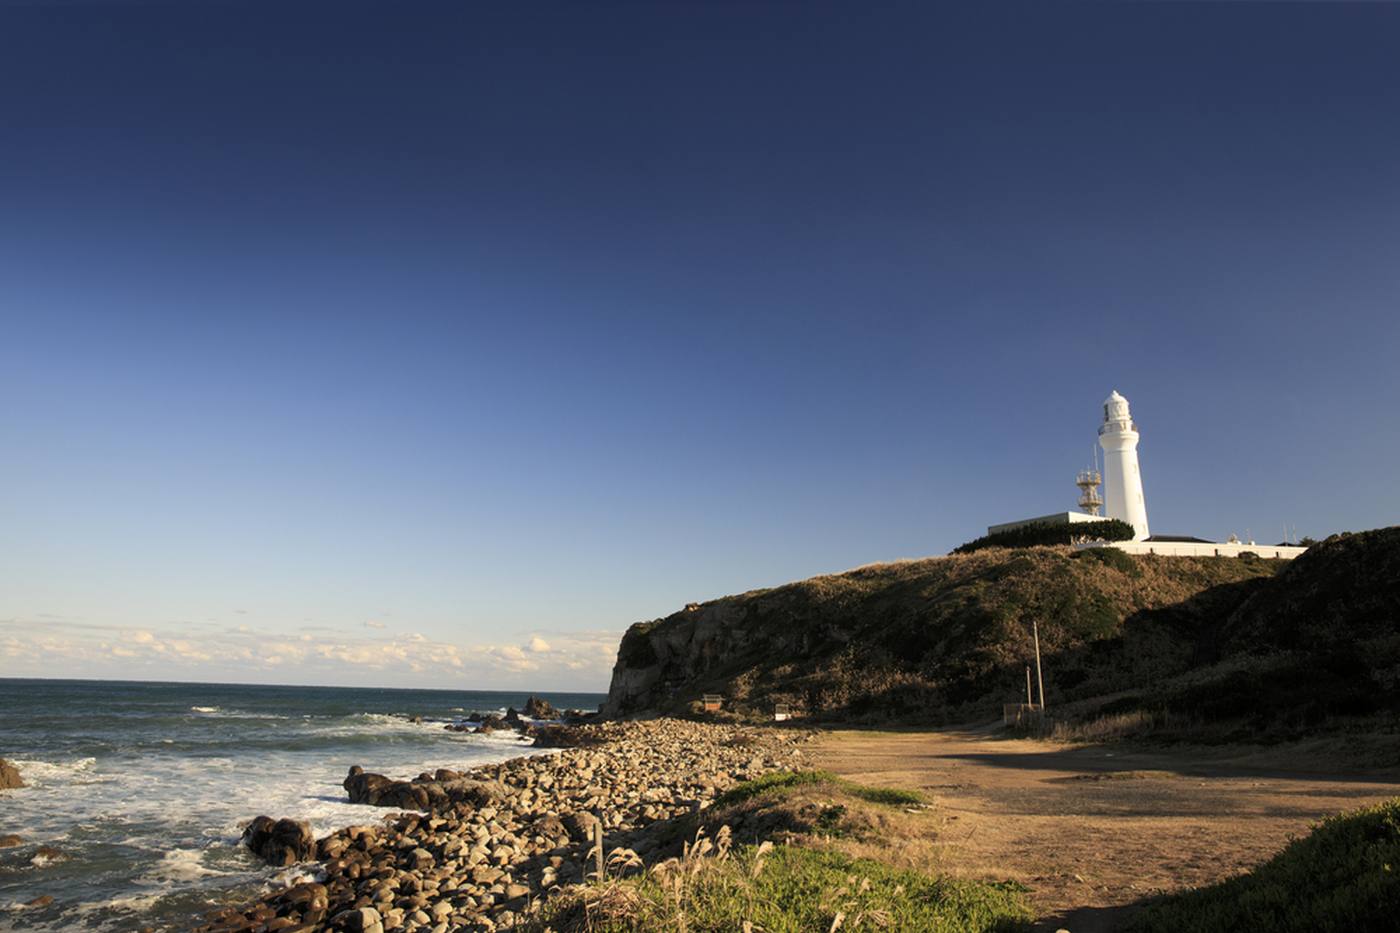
{"x": 1180, "y": 538}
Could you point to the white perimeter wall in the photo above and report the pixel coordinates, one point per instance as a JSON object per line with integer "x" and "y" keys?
{"x": 1193, "y": 549}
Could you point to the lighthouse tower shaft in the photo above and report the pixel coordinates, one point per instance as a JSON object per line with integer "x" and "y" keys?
{"x": 1122, "y": 481}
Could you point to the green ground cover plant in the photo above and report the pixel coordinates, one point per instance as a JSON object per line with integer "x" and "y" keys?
{"x": 1342, "y": 878}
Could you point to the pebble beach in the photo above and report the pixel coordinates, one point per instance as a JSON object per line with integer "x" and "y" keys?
{"x": 491, "y": 842}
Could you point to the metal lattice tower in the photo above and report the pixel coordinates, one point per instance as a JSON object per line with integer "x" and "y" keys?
{"x": 1088, "y": 483}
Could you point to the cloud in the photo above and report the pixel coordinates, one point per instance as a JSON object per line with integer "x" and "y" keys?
{"x": 372, "y": 623}
{"x": 354, "y": 653}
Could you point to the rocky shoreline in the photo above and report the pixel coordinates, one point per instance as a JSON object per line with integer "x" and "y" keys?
{"x": 490, "y": 842}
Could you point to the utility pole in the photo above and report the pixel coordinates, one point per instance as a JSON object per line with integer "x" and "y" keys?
{"x": 1039, "y": 678}
{"x": 1030, "y": 700}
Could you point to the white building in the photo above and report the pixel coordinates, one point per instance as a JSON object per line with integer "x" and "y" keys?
{"x": 1122, "y": 480}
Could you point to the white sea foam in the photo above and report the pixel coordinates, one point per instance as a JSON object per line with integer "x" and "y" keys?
{"x": 182, "y": 865}
{"x": 39, "y": 773}
{"x": 129, "y": 904}
{"x": 218, "y": 712}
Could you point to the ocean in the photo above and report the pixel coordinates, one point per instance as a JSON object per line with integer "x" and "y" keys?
{"x": 145, "y": 787}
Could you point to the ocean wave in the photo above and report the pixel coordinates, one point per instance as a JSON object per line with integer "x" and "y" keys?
{"x": 218, "y": 712}
{"x": 127, "y": 904}
{"x": 388, "y": 719}
{"x": 182, "y": 865}
{"x": 38, "y": 773}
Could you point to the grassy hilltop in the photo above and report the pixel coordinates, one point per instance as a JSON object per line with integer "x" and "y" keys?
{"x": 948, "y": 638}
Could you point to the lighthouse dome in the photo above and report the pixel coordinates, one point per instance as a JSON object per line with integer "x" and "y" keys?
{"x": 1115, "y": 408}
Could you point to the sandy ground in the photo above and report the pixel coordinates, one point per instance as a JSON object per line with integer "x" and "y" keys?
{"x": 1093, "y": 831}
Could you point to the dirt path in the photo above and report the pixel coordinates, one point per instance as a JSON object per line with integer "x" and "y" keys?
{"x": 1093, "y": 830}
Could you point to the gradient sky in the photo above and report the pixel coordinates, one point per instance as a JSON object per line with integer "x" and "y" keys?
{"x": 434, "y": 346}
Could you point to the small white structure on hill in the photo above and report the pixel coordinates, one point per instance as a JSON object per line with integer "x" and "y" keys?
{"x": 1122, "y": 480}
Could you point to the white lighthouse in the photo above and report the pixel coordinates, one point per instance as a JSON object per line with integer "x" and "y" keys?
{"x": 1122, "y": 482}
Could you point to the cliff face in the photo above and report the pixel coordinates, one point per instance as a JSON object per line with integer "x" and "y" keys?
{"x": 935, "y": 639}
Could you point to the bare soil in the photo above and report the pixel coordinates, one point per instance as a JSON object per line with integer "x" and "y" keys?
{"x": 1094, "y": 831}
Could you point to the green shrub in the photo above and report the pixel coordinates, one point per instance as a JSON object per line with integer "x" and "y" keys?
{"x": 1343, "y": 878}
{"x": 1040, "y": 533}
{"x": 778, "y": 782}
{"x": 773, "y": 782}
{"x": 1121, "y": 561}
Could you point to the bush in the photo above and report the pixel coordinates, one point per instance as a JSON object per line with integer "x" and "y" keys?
{"x": 1040, "y": 534}
{"x": 773, "y": 782}
{"x": 779, "y": 782}
{"x": 1345, "y": 876}
{"x": 1121, "y": 561}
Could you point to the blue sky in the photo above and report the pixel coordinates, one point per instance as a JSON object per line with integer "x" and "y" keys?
{"x": 350, "y": 344}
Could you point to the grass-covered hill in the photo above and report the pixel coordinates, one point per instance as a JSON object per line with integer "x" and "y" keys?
{"x": 928, "y": 639}
{"x": 949, "y": 638}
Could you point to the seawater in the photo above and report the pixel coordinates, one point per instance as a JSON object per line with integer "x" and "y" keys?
{"x": 145, "y": 787}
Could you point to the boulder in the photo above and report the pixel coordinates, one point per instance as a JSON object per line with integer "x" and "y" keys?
{"x": 513, "y": 718}
{"x": 366, "y": 787}
{"x": 10, "y": 840}
{"x": 280, "y": 842}
{"x": 538, "y": 708}
{"x": 580, "y": 825}
{"x": 444, "y": 790}
{"x": 550, "y": 827}
{"x": 491, "y": 723}
{"x": 304, "y": 897}
{"x": 359, "y": 920}
{"x": 9, "y": 775}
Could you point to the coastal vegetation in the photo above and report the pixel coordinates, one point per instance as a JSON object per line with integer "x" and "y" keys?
{"x": 1342, "y": 878}
{"x": 784, "y": 889}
